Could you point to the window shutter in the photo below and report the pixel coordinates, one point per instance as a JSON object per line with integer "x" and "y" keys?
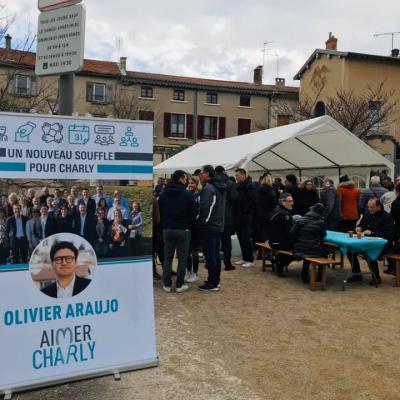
{"x": 33, "y": 86}
{"x": 200, "y": 127}
{"x": 221, "y": 129}
{"x": 109, "y": 94}
{"x": 244, "y": 126}
{"x": 167, "y": 124}
{"x": 189, "y": 126}
{"x": 89, "y": 91}
{"x": 11, "y": 85}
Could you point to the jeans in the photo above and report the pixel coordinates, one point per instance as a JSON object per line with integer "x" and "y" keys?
{"x": 244, "y": 236}
{"x": 226, "y": 246}
{"x": 210, "y": 243}
{"x": 356, "y": 264}
{"x": 179, "y": 240}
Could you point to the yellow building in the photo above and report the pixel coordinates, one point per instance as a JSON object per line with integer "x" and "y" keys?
{"x": 329, "y": 70}
{"x": 184, "y": 110}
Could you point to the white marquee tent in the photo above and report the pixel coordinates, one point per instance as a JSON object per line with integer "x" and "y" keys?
{"x": 316, "y": 147}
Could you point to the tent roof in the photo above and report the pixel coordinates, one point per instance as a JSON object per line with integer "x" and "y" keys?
{"x": 317, "y": 143}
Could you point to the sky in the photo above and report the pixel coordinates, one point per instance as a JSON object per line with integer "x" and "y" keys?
{"x": 221, "y": 39}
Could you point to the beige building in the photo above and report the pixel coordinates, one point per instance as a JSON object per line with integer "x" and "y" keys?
{"x": 329, "y": 70}
{"x": 184, "y": 110}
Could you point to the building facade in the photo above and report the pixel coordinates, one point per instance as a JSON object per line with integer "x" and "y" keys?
{"x": 184, "y": 110}
{"x": 329, "y": 70}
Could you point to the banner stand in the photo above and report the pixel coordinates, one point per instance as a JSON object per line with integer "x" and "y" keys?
{"x": 115, "y": 371}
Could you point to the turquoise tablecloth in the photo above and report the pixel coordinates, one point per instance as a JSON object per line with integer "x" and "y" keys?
{"x": 370, "y": 247}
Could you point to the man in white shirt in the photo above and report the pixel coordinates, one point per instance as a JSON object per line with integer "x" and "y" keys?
{"x": 63, "y": 256}
{"x": 100, "y": 195}
{"x": 117, "y": 206}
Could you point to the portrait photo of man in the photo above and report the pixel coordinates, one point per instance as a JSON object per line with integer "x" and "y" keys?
{"x": 63, "y": 257}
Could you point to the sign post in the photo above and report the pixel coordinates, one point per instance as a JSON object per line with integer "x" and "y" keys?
{"x": 60, "y": 46}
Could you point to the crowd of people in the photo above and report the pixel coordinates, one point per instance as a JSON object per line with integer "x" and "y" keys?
{"x": 201, "y": 212}
{"x": 112, "y": 226}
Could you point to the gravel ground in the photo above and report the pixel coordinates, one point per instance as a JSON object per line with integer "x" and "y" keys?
{"x": 263, "y": 337}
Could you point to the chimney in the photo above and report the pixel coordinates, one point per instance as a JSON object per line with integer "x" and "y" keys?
{"x": 122, "y": 64}
{"x": 331, "y": 43}
{"x": 280, "y": 82}
{"x": 395, "y": 53}
{"x": 8, "y": 41}
{"x": 258, "y": 75}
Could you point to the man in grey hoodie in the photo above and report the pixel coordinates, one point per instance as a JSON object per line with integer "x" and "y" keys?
{"x": 212, "y": 219}
{"x": 375, "y": 190}
{"x": 331, "y": 201}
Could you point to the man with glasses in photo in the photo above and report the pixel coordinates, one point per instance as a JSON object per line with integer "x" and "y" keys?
{"x": 63, "y": 256}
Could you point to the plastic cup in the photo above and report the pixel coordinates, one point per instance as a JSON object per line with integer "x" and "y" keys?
{"x": 351, "y": 233}
{"x": 359, "y": 235}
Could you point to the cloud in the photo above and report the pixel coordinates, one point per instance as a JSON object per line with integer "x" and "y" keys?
{"x": 223, "y": 39}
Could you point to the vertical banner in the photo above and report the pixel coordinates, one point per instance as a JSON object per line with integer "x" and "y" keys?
{"x": 76, "y": 292}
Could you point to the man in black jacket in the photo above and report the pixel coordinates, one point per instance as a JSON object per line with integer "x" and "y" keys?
{"x": 16, "y": 232}
{"x": 177, "y": 213}
{"x": 244, "y": 213}
{"x": 281, "y": 221}
{"x": 212, "y": 220}
{"x": 231, "y": 198}
{"x": 307, "y": 235}
{"x": 292, "y": 187}
{"x": 63, "y": 257}
{"x": 84, "y": 224}
{"x": 376, "y": 222}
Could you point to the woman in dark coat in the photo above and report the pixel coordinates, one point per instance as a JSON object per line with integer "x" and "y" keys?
{"x": 307, "y": 235}
{"x": 64, "y": 221}
{"x": 266, "y": 201}
{"x": 308, "y": 197}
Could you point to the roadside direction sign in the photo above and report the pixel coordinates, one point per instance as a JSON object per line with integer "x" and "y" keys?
{"x": 60, "y": 40}
{"x": 47, "y": 5}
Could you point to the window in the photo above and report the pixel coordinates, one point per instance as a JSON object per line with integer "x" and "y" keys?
{"x": 245, "y": 101}
{"x": 146, "y": 115}
{"x": 177, "y": 125}
{"x": 179, "y": 95}
{"x": 210, "y": 128}
{"x": 212, "y": 98}
{"x": 374, "y": 114}
{"x": 22, "y": 84}
{"x": 244, "y": 126}
{"x": 282, "y": 120}
{"x": 319, "y": 110}
{"x": 146, "y": 91}
{"x": 359, "y": 181}
{"x": 99, "y": 92}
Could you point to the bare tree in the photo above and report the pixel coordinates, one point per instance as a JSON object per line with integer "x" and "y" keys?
{"x": 362, "y": 113}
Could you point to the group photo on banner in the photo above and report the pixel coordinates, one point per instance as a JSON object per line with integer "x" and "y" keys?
{"x": 75, "y": 249}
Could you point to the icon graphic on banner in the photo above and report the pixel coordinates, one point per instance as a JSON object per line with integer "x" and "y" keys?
{"x": 104, "y": 134}
{"x": 129, "y": 139}
{"x": 3, "y": 136}
{"x": 78, "y": 134}
{"x": 52, "y": 132}
{"x": 22, "y": 134}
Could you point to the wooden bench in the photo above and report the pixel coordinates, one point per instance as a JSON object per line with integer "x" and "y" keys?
{"x": 335, "y": 247}
{"x": 395, "y": 257}
{"x": 322, "y": 263}
{"x": 266, "y": 253}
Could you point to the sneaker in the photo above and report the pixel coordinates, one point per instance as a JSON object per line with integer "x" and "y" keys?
{"x": 167, "y": 289}
{"x": 378, "y": 281}
{"x": 219, "y": 285}
{"x": 247, "y": 264}
{"x": 183, "y": 288}
{"x": 187, "y": 276}
{"x": 230, "y": 268}
{"x": 209, "y": 288}
{"x": 240, "y": 262}
{"x": 390, "y": 271}
{"x": 192, "y": 278}
{"x": 355, "y": 278}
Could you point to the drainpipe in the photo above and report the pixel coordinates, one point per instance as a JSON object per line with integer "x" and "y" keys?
{"x": 195, "y": 116}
